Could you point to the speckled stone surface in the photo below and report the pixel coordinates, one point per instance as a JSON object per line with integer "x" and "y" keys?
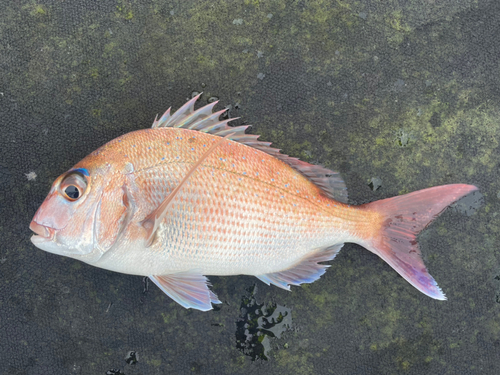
{"x": 405, "y": 94}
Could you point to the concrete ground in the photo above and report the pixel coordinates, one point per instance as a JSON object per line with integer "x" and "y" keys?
{"x": 404, "y": 95}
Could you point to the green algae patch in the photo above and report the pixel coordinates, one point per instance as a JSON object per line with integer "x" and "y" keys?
{"x": 169, "y": 318}
{"x": 388, "y": 323}
{"x": 155, "y": 362}
{"x": 298, "y": 363}
{"x": 398, "y": 28}
{"x": 412, "y": 144}
{"x": 124, "y": 10}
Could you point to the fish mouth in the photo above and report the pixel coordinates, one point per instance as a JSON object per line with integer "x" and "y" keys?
{"x": 43, "y": 233}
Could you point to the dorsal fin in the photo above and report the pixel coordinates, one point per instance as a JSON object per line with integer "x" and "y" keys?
{"x": 205, "y": 121}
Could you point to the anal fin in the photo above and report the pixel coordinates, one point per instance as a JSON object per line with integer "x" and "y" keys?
{"x": 306, "y": 271}
{"x": 189, "y": 289}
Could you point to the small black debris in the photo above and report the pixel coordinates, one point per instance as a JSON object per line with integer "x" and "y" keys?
{"x": 132, "y": 358}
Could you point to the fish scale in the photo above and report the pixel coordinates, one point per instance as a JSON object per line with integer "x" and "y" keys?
{"x": 228, "y": 189}
{"x": 193, "y": 196}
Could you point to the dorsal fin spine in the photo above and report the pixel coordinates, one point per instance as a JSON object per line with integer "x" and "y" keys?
{"x": 196, "y": 116}
{"x": 213, "y": 118}
{"x": 186, "y": 109}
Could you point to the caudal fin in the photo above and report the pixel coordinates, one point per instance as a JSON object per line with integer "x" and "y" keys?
{"x": 406, "y": 216}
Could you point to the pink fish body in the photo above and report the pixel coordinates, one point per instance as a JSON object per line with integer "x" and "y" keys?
{"x": 194, "y": 197}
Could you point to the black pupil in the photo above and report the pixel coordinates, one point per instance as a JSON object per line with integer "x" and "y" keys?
{"x": 72, "y": 192}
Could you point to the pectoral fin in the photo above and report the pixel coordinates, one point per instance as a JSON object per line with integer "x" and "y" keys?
{"x": 189, "y": 289}
{"x": 153, "y": 220}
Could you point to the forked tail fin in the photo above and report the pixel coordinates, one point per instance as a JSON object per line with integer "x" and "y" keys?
{"x": 405, "y": 216}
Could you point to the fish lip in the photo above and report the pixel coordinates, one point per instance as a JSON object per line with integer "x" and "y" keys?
{"x": 36, "y": 239}
{"x": 43, "y": 233}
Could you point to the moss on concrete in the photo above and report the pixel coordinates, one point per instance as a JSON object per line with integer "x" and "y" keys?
{"x": 369, "y": 88}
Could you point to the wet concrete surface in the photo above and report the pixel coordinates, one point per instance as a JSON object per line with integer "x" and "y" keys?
{"x": 406, "y": 94}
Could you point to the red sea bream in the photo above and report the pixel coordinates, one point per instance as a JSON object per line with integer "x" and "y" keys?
{"x": 192, "y": 197}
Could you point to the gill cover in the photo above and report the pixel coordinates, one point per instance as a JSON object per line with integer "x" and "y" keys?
{"x": 115, "y": 210}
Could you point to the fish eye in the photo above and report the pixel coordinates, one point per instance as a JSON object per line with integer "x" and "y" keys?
{"x": 72, "y": 192}
{"x": 73, "y": 186}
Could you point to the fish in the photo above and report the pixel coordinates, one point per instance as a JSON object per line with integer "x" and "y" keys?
{"x": 193, "y": 197}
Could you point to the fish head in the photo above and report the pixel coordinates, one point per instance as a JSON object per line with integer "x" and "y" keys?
{"x": 65, "y": 222}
